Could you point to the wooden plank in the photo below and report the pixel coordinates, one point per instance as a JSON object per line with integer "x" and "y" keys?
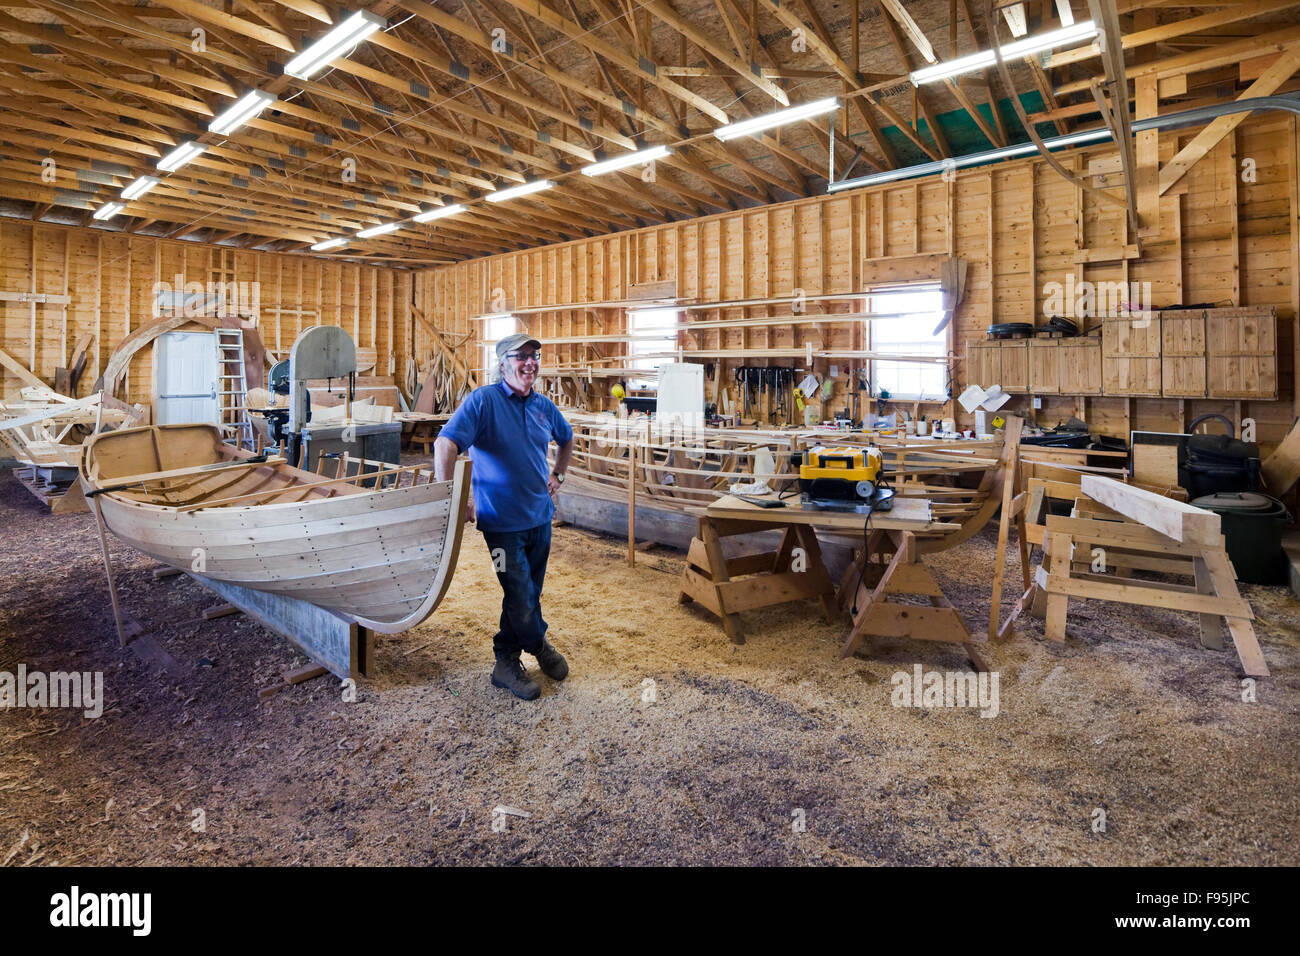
{"x": 1126, "y": 534}
{"x": 915, "y": 622}
{"x": 1281, "y": 469}
{"x": 1057, "y": 602}
{"x": 54, "y": 411}
{"x": 1211, "y": 624}
{"x": 13, "y": 365}
{"x": 1183, "y": 522}
{"x": 1282, "y": 70}
{"x": 1223, "y": 581}
{"x": 765, "y": 590}
{"x": 1130, "y": 593}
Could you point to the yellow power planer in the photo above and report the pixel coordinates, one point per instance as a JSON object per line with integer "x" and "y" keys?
{"x": 843, "y": 479}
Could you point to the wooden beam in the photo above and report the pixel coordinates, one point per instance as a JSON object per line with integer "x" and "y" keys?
{"x": 1184, "y": 523}
{"x": 1262, "y": 44}
{"x": 11, "y": 363}
{"x": 1150, "y": 35}
{"x": 749, "y": 72}
{"x": 1212, "y": 135}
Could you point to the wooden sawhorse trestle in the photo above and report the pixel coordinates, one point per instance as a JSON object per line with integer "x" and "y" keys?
{"x": 728, "y": 586}
{"x": 1070, "y": 545}
{"x": 875, "y": 615}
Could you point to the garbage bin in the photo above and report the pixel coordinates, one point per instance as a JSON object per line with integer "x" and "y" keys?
{"x": 1252, "y": 526}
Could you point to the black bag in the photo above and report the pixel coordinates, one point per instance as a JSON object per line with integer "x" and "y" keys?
{"x": 1218, "y": 463}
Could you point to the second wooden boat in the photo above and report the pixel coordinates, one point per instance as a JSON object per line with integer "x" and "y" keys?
{"x": 382, "y": 556}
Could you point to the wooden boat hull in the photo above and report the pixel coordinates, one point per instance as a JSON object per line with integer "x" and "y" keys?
{"x": 682, "y": 470}
{"x": 381, "y": 557}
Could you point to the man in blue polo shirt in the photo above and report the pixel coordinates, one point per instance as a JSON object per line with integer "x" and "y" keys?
{"x": 507, "y": 428}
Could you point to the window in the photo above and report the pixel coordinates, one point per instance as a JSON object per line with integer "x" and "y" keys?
{"x": 645, "y": 323}
{"x": 915, "y": 311}
{"x": 495, "y": 328}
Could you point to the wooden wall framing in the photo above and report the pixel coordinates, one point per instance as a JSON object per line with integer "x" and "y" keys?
{"x": 108, "y": 279}
{"x": 1222, "y": 239}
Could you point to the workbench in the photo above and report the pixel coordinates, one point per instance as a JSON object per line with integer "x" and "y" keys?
{"x": 794, "y": 572}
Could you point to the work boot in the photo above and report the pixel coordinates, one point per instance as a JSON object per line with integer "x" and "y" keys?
{"x": 551, "y": 661}
{"x": 510, "y": 675}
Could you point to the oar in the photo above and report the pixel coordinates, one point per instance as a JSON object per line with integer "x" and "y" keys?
{"x": 133, "y": 480}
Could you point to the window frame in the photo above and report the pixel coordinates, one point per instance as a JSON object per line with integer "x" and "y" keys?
{"x": 490, "y": 339}
{"x": 638, "y": 344}
{"x": 943, "y": 341}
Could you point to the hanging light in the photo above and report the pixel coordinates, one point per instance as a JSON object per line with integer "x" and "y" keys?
{"x": 179, "y": 156}
{"x": 1084, "y": 30}
{"x": 514, "y": 192}
{"x": 379, "y": 230}
{"x": 140, "y": 187}
{"x": 623, "y": 162}
{"x": 349, "y": 32}
{"x": 244, "y": 109}
{"x": 781, "y": 117}
{"x": 441, "y": 212}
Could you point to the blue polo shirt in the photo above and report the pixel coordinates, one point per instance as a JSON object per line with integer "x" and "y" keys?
{"x": 507, "y": 436}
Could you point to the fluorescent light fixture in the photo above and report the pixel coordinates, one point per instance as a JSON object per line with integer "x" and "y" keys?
{"x": 1084, "y": 30}
{"x": 441, "y": 212}
{"x": 109, "y": 210}
{"x": 349, "y": 32}
{"x": 380, "y": 230}
{"x": 780, "y": 118}
{"x": 973, "y": 159}
{"x": 514, "y": 192}
{"x": 179, "y": 156}
{"x": 328, "y": 244}
{"x": 140, "y": 187}
{"x": 245, "y": 108}
{"x": 622, "y": 162}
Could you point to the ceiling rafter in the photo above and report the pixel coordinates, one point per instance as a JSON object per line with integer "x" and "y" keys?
{"x": 432, "y": 111}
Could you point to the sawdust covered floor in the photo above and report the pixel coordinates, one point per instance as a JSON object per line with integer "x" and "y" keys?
{"x": 1130, "y": 716}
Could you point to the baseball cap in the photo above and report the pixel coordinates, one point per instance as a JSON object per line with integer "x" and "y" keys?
{"x": 512, "y": 343}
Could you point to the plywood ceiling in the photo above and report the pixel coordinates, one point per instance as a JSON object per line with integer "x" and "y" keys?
{"x": 432, "y": 111}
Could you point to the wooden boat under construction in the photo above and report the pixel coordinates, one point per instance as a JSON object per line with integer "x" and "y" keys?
{"x": 374, "y": 543}
{"x": 683, "y": 469}
{"x": 961, "y": 479}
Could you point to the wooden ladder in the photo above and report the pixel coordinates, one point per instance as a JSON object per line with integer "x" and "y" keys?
{"x": 232, "y": 385}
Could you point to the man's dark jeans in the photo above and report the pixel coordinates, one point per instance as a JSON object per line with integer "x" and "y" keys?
{"x": 520, "y": 561}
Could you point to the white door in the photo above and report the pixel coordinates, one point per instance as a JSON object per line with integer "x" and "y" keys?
{"x": 185, "y": 378}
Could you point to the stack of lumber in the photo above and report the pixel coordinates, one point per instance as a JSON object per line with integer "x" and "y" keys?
{"x": 43, "y": 431}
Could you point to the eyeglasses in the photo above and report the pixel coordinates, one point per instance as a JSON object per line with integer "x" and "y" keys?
{"x": 522, "y": 357}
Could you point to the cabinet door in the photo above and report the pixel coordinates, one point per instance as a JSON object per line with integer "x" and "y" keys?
{"x": 1130, "y": 361}
{"x": 1242, "y": 352}
{"x": 1015, "y": 366}
{"x": 1182, "y": 359}
{"x": 1081, "y": 366}
{"x": 983, "y": 363}
{"x": 1045, "y": 366}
